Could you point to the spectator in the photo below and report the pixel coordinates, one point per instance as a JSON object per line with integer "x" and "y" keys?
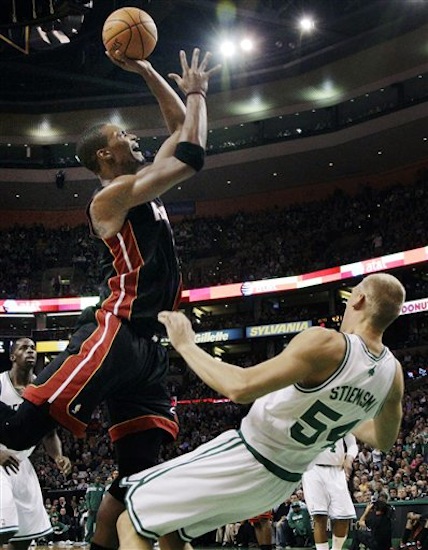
{"x": 374, "y": 527}
{"x": 94, "y": 496}
{"x": 300, "y": 522}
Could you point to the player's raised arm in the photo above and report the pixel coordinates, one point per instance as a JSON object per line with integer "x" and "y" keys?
{"x": 310, "y": 357}
{"x": 170, "y": 103}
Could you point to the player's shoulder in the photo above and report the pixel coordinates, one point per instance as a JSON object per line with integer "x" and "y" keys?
{"x": 322, "y": 335}
{"x": 4, "y": 379}
{"x": 322, "y": 345}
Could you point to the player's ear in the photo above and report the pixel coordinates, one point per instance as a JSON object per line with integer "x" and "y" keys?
{"x": 104, "y": 154}
{"x": 359, "y": 300}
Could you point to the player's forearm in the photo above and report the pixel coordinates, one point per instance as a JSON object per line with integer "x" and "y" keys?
{"x": 351, "y": 446}
{"x": 195, "y": 124}
{"x": 170, "y": 103}
{"x": 379, "y": 437}
{"x": 52, "y": 445}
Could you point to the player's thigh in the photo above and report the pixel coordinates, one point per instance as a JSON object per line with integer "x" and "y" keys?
{"x": 218, "y": 483}
{"x": 8, "y": 511}
{"x": 341, "y": 505}
{"x": 32, "y": 517}
{"x": 315, "y": 488}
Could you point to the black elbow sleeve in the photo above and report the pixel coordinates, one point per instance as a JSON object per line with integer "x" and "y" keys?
{"x": 191, "y": 154}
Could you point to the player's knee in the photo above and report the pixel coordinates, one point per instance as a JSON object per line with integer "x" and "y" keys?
{"x": 173, "y": 541}
{"x": 320, "y": 519}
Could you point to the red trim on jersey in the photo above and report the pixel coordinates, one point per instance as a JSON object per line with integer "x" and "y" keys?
{"x": 127, "y": 263}
{"x": 141, "y": 424}
{"x": 177, "y": 299}
{"x": 75, "y": 373}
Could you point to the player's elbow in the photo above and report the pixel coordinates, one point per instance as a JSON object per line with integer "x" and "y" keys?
{"x": 242, "y": 393}
{"x": 240, "y": 398}
{"x": 191, "y": 154}
{"x": 386, "y": 441}
{"x": 386, "y": 447}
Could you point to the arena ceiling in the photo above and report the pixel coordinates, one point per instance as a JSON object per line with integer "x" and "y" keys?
{"x": 358, "y": 45}
{"x": 55, "y": 76}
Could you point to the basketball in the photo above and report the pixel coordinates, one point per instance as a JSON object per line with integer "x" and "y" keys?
{"x": 131, "y": 31}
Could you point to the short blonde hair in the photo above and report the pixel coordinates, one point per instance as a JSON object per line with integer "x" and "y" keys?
{"x": 385, "y": 296}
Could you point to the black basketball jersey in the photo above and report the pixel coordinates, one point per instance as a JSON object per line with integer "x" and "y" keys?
{"x": 141, "y": 275}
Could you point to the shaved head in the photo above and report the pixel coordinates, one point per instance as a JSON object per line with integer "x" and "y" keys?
{"x": 385, "y": 296}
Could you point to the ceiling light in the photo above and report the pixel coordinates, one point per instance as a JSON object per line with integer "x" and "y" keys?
{"x": 306, "y": 24}
{"x": 43, "y": 35}
{"x": 61, "y": 37}
{"x": 228, "y": 48}
{"x": 246, "y": 45}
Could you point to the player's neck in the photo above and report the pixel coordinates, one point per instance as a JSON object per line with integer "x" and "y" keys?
{"x": 20, "y": 378}
{"x": 371, "y": 338}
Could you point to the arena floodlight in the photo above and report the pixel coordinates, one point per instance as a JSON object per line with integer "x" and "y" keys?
{"x": 306, "y": 24}
{"x": 43, "y": 35}
{"x": 227, "y": 48}
{"x": 246, "y": 44}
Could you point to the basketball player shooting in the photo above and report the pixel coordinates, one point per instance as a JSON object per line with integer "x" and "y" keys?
{"x": 113, "y": 356}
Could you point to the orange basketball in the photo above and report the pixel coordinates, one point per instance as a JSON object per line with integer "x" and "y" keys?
{"x": 131, "y": 31}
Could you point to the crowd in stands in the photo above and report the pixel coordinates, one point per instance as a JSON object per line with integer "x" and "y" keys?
{"x": 337, "y": 230}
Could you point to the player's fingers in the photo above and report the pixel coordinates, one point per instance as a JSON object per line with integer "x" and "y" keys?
{"x": 66, "y": 466}
{"x": 164, "y": 317}
{"x": 11, "y": 465}
{"x": 176, "y": 77}
{"x": 183, "y": 61}
{"x": 115, "y": 55}
{"x": 205, "y": 60}
{"x": 195, "y": 58}
{"x": 215, "y": 69}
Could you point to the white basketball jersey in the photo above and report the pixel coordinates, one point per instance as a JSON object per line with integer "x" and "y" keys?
{"x": 11, "y": 397}
{"x": 336, "y": 456}
{"x": 290, "y": 427}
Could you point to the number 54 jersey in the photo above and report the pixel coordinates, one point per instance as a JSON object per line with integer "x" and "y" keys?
{"x": 288, "y": 428}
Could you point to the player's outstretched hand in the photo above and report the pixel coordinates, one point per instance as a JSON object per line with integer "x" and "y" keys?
{"x": 178, "y": 327}
{"x": 195, "y": 76}
{"x": 127, "y": 64}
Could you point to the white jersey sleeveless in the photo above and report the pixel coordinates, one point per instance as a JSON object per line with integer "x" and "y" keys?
{"x": 335, "y": 457}
{"x": 288, "y": 428}
{"x": 11, "y": 397}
